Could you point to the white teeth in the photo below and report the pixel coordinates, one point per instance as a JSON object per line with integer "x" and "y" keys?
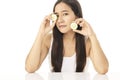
{"x": 74, "y": 25}
{"x": 53, "y": 17}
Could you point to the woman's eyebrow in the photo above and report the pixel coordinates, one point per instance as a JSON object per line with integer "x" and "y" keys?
{"x": 64, "y": 11}
{"x": 61, "y": 11}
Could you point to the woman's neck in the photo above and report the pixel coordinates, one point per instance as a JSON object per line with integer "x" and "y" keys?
{"x": 69, "y": 36}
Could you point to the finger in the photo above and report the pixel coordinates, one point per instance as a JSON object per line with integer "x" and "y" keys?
{"x": 47, "y": 18}
{"x": 79, "y": 20}
{"x": 81, "y": 23}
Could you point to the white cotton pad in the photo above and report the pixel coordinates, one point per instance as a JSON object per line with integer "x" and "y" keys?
{"x": 73, "y": 25}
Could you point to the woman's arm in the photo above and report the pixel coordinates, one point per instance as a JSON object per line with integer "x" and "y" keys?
{"x": 40, "y": 47}
{"x": 35, "y": 56}
{"x": 97, "y": 56}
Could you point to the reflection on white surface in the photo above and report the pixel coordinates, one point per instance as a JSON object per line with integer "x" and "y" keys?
{"x": 33, "y": 76}
{"x": 100, "y": 77}
{"x": 68, "y": 76}
{"x": 65, "y": 76}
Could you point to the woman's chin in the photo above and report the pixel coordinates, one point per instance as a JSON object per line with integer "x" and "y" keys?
{"x": 65, "y": 31}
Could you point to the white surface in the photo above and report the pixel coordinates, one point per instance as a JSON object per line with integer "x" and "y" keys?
{"x": 72, "y": 76}
{"x": 60, "y": 76}
{"x": 19, "y": 24}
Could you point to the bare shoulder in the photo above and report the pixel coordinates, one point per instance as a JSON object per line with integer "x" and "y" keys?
{"x": 88, "y": 46}
{"x": 47, "y": 40}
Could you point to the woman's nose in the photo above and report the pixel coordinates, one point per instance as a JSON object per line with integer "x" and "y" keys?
{"x": 60, "y": 19}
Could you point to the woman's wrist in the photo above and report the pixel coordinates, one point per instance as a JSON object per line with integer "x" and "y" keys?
{"x": 92, "y": 35}
{"x": 41, "y": 34}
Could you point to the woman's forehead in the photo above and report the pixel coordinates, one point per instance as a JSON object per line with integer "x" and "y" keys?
{"x": 62, "y": 7}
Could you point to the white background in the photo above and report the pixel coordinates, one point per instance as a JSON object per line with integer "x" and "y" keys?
{"x": 20, "y": 21}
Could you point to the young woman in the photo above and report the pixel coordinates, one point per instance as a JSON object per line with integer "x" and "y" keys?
{"x": 68, "y": 48}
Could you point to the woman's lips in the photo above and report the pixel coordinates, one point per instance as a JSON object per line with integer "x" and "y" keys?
{"x": 62, "y": 26}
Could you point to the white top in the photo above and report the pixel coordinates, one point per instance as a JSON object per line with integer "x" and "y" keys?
{"x": 68, "y": 64}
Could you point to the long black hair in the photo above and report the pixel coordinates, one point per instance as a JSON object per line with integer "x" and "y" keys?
{"x": 57, "y": 46}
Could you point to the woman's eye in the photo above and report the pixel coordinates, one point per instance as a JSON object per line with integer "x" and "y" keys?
{"x": 65, "y": 14}
{"x": 57, "y": 15}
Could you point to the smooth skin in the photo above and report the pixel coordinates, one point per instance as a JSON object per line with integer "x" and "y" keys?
{"x": 66, "y": 16}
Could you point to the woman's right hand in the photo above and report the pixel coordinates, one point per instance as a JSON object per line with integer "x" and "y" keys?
{"x": 45, "y": 26}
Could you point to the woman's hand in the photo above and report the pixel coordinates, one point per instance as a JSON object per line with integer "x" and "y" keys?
{"x": 45, "y": 26}
{"x": 86, "y": 28}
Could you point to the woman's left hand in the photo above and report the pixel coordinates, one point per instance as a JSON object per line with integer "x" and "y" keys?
{"x": 86, "y": 28}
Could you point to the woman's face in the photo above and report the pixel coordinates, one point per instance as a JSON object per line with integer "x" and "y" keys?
{"x": 65, "y": 17}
